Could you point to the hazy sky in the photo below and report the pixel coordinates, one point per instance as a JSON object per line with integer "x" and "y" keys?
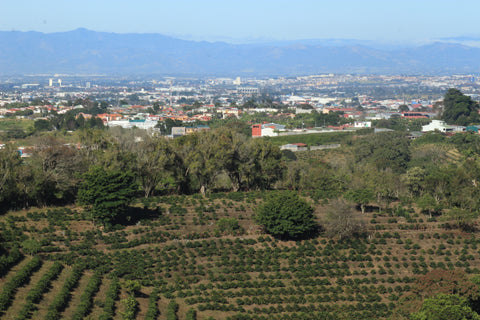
{"x": 241, "y": 20}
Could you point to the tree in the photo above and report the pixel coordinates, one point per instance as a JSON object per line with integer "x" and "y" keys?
{"x": 261, "y": 164}
{"x": 167, "y": 125}
{"x": 462, "y": 219}
{"x": 42, "y": 125}
{"x": 342, "y": 221}
{"x": 106, "y": 193}
{"x": 361, "y": 196}
{"x": 385, "y": 150}
{"x": 56, "y": 167}
{"x": 199, "y": 155}
{"x": 434, "y": 283}
{"x": 231, "y": 153}
{"x": 459, "y": 108}
{"x": 445, "y": 307}
{"x": 286, "y": 215}
{"x": 155, "y": 161}
{"x": 10, "y": 163}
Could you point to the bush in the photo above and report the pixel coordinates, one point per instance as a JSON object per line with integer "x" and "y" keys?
{"x": 228, "y": 225}
{"x": 131, "y": 308}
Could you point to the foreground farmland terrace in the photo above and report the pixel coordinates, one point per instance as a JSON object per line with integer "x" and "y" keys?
{"x": 175, "y": 262}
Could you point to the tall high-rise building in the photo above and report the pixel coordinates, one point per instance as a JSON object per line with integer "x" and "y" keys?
{"x": 237, "y": 81}
{"x": 50, "y": 82}
{"x": 60, "y": 82}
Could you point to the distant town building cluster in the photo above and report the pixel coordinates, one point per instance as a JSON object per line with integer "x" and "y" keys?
{"x": 126, "y": 103}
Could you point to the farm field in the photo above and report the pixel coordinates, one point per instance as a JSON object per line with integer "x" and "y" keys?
{"x": 171, "y": 260}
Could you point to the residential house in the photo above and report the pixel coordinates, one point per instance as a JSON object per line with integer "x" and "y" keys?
{"x": 266, "y": 129}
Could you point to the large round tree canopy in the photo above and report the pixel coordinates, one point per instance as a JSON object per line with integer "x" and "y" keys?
{"x": 286, "y": 215}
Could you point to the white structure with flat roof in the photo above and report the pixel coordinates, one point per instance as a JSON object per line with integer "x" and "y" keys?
{"x": 441, "y": 126}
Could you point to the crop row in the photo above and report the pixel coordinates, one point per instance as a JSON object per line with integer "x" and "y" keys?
{"x": 20, "y": 279}
{"x": 62, "y": 299}
{"x": 86, "y": 300}
{"x": 8, "y": 261}
{"x": 111, "y": 296}
{"x": 36, "y": 293}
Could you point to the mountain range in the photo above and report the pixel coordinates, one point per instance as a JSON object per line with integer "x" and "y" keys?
{"x": 83, "y": 51}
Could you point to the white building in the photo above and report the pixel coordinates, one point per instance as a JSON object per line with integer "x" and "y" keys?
{"x": 362, "y": 124}
{"x": 441, "y": 126}
{"x": 128, "y": 124}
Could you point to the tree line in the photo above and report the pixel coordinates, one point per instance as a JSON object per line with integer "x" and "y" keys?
{"x": 201, "y": 162}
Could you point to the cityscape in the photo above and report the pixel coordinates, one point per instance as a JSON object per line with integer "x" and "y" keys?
{"x": 357, "y": 97}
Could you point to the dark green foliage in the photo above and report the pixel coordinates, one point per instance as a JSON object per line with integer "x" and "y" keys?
{"x": 429, "y": 137}
{"x": 286, "y": 215}
{"x": 112, "y": 296}
{"x": 72, "y": 120}
{"x": 7, "y": 261}
{"x": 86, "y": 300}
{"x": 20, "y": 279}
{"x": 228, "y": 225}
{"x": 289, "y": 155}
{"x": 313, "y": 139}
{"x": 42, "y": 125}
{"x": 459, "y": 108}
{"x": 445, "y": 307}
{"x": 248, "y": 163}
{"x": 10, "y": 162}
{"x": 35, "y": 295}
{"x": 106, "y": 193}
{"x": 61, "y": 300}
{"x": 191, "y": 314}
{"x": 361, "y": 196}
{"x": 152, "y": 311}
{"x": 172, "y": 309}
{"x": 386, "y": 150}
{"x": 468, "y": 143}
{"x": 402, "y": 124}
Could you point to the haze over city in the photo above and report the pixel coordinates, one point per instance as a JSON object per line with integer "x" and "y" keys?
{"x": 252, "y": 21}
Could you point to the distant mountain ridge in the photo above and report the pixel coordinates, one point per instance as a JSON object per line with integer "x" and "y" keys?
{"x": 83, "y": 51}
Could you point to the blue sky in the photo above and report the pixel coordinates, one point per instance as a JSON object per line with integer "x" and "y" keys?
{"x": 247, "y": 20}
